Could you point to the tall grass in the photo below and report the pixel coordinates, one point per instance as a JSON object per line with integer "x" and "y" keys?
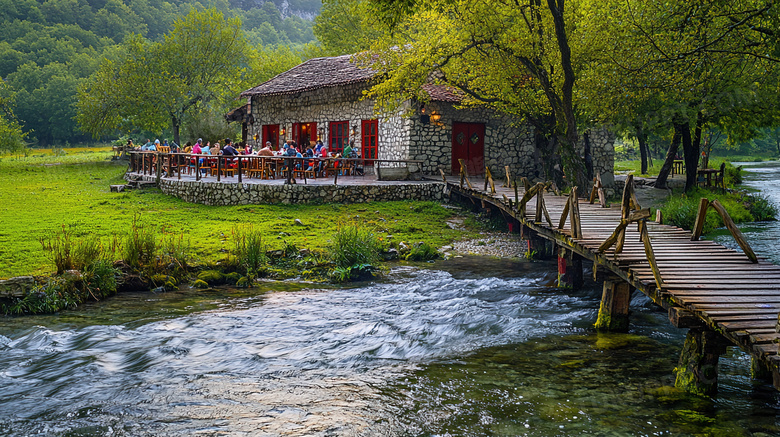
{"x": 249, "y": 250}
{"x": 354, "y": 245}
{"x": 68, "y": 253}
{"x": 680, "y": 210}
{"x": 140, "y": 245}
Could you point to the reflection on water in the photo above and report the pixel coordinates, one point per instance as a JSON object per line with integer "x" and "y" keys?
{"x": 475, "y": 347}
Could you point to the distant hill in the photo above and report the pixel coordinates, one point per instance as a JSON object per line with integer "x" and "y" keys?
{"x": 47, "y": 47}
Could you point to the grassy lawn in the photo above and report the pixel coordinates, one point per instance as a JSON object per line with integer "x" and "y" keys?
{"x": 44, "y": 191}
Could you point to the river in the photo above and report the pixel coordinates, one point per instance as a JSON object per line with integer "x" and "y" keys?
{"x": 465, "y": 347}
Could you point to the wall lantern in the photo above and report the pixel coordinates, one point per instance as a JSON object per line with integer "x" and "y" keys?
{"x": 424, "y": 118}
{"x": 282, "y": 131}
{"x": 320, "y": 133}
{"x": 435, "y": 117}
{"x": 353, "y": 131}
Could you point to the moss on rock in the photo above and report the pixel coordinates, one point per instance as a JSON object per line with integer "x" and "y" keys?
{"x": 212, "y": 277}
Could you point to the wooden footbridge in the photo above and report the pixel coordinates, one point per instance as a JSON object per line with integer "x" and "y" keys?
{"x": 723, "y": 296}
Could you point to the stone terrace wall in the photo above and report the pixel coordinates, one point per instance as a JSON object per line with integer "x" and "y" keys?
{"x": 218, "y": 193}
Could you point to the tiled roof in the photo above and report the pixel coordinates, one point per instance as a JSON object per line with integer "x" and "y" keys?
{"x": 334, "y": 71}
{"x": 312, "y": 74}
{"x": 443, "y": 93}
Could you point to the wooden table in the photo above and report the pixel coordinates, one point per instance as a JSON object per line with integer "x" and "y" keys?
{"x": 705, "y": 175}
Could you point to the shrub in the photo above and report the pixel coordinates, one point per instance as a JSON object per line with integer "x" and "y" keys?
{"x": 733, "y": 175}
{"x": 761, "y": 207}
{"x": 353, "y": 245}
{"x": 99, "y": 279}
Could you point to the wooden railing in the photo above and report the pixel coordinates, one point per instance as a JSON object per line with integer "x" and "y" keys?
{"x": 701, "y": 216}
{"x": 286, "y": 167}
{"x": 632, "y": 212}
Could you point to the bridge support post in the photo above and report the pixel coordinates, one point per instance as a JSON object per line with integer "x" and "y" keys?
{"x": 569, "y": 269}
{"x": 613, "y": 312}
{"x": 541, "y": 248}
{"x": 697, "y": 370}
{"x": 759, "y": 370}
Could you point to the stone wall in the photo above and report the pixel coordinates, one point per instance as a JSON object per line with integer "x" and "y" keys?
{"x": 602, "y": 150}
{"x": 226, "y": 193}
{"x": 505, "y": 144}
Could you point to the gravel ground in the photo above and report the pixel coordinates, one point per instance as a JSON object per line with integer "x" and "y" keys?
{"x": 502, "y": 245}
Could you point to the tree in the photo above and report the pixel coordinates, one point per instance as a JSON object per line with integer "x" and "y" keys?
{"x": 12, "y": 138}
{"x": 683, "y": 66}
{"x": 155, "y": 85}
{"x": 512, "y": 56}
{"x": 346, "y": 26}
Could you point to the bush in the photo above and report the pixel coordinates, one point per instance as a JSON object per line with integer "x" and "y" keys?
{"x": 761, "y": 207}
{"x": 733, "y": 175}
{"x": 68, "y": 253}
{"x": 354, "y": 245}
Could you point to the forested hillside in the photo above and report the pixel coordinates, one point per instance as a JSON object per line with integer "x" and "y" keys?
{"x": 48, "y": 47}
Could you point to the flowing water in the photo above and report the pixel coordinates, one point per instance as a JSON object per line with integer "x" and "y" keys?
{"x": 464, "y": 347}
{"x": 764, "y": 237}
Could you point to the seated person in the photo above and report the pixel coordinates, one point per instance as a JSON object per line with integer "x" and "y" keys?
{"x": 228, "y": 149}
{"x": 266, "y": 151}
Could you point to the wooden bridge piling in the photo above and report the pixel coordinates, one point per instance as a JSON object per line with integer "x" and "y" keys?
{"x": 569, "y": 269}
{"x": 697, "y": 370}
{"x": 614, "y": 307}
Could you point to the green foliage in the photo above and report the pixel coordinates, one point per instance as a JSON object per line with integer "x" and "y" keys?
{"x": 68, "y": 253}
{"x": 12, "y": 138}
{"x": 422, "y": 251}
{"x": 48, "y": 48}
{"x": 140, "y": 245}
{"x": 680, "y": 210}
{"x": 354, "y": 245}
{"x": 761, "y": 208}
{"x": 249, "y": 250}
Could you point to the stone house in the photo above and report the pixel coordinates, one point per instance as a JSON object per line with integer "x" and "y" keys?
{"x": 322, "y": 99}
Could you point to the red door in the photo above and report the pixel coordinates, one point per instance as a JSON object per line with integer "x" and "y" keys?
{"x": 271, "y": 133}
{"x": 370, "y": 140}
{"x": 468, "y": 143}
{"x": 305, "y": 134}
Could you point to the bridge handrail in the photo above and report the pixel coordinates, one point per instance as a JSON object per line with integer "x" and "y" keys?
{"x": 631, "y": 212}
{"x": 701, "y": 215}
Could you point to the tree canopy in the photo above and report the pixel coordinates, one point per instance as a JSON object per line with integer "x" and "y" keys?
{"x": 155, "y": 84}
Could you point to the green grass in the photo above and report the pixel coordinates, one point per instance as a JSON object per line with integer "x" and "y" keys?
{"x": 42, "y": 192}
{"x": 681, "y": 209}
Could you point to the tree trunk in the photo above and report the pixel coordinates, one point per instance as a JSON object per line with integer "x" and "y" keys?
{"x": 642, "y": 138}
{"x": 690, "y": 154}
{"x": 691, "y": 148}
{"x": 660, "y": 182}
{"x": 175, "y": 125}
